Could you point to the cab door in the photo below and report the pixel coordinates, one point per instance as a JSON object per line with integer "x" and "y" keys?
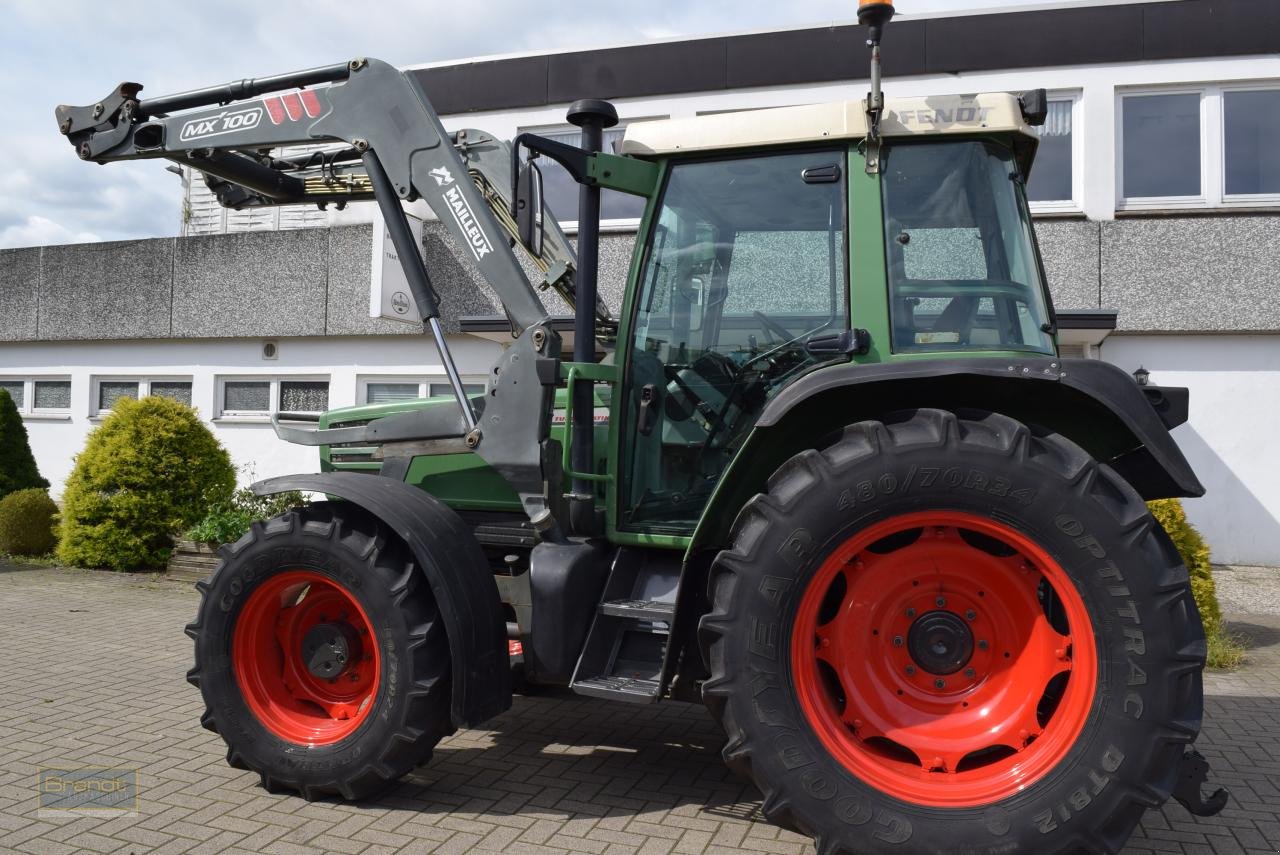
{"x": 743, "y": 266}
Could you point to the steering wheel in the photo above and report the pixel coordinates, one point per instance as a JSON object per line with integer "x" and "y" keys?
{"x": 773, "y": 327}
{"x": 716, "y": 369}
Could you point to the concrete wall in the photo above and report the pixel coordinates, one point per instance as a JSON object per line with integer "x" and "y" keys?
{"x": 1171, "y": 274}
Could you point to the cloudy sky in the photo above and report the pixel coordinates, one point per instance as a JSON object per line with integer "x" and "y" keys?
{"x": 75, "y": 51}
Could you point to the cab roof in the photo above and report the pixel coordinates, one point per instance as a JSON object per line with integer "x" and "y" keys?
{"x": 839, "y": 120}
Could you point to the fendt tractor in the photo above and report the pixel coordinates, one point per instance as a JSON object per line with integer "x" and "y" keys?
{"x": 848, "y": 496}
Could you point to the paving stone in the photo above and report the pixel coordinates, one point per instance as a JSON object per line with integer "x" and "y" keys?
{"x": 96, "y": 675}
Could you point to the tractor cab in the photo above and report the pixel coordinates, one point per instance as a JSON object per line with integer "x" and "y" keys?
{"x": 771, "y": 249}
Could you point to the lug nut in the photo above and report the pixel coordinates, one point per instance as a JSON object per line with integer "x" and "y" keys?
{"x": 939, "y": 684}
{"x": 911, "y": 612}
{"x": 911, "y": 669}
{"x": 897, "y": 641}
{"x": 971, "y": 615}
{"x": 940, "y": 602}
{"x": 969, "y": 672}
{"x": 982, "y": 645}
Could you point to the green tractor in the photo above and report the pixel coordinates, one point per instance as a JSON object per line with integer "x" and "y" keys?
{"x": 825, "y": 473}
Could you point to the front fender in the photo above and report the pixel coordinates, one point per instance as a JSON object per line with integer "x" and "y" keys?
{"x": 1093, "y": 403}
{"x": 455, "y": 569}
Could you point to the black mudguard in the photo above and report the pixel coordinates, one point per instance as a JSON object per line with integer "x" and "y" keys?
{"x": 456, "y": 571}
{"x": 1069, "y": 395}
{"x": 1093, "y": 403}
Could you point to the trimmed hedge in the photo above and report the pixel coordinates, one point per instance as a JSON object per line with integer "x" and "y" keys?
{"x": 27, "y": 518}
{"x": 17, "y": 464}
{"x": 1195, "y": 554}
{"x": 147, "y": 473}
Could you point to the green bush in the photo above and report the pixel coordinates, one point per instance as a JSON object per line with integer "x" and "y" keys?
{"x": 228, "y": 520}
{"x": 27, "y": 518}
{"x": 17, "y": 464}
{"x": 1224, "y": 650}
{"x": 148, "y": 472}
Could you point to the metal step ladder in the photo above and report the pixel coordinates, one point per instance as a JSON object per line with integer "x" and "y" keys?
{"x": 625, "y": 650}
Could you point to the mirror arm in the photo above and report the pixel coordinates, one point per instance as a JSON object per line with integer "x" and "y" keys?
{"x": 572, "y": 158}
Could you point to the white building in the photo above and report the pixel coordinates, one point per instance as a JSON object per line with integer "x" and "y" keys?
{"x": 1156, "y": 190}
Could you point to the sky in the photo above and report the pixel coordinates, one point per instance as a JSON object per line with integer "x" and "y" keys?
{"x": 75, "y": 51}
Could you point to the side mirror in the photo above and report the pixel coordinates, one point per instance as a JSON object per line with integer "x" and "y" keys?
{"x": 529, "y": 207}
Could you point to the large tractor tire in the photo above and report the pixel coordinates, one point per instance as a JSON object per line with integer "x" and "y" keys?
{"x": 320, "y": 654}
{"x": 953, "y": 634}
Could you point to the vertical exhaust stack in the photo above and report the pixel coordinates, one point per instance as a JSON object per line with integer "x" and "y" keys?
{"x": 874, "y": 15}
{"x": 593, "y": 116}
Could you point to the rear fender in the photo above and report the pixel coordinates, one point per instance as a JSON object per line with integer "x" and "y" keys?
{"x": 468, "y": 599}
{"x": 1093, "y": 403}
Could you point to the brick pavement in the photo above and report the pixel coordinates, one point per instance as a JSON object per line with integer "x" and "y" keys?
{"x": 91, "y": 670}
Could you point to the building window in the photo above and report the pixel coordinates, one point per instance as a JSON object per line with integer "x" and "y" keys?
{"x": 560, "y": 191}
{"x": 1168, "y": 124}
{"x": 17, "y": 391}
{"x": 304, "y": 396}
{"x": 1052, "y": 186}
{"x": 39, "y": 396}
{"x": 257, "y": 398}
{"x": 51, "y": 396}
{"x": 177, "y": 390}
{"x": 1207, "y": 146}
{"x": 108, "y": 390}
{"x": 1250, "y": 129}
{"x": 392, "y": 390}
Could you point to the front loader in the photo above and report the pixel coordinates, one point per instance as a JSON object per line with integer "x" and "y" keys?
{"x": 830, "y": 478}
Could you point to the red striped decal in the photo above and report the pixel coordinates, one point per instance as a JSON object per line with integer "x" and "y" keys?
{"x": 311, "y": 103}
{"x": 274, "y": 109}
{"x": 292, "y": 105}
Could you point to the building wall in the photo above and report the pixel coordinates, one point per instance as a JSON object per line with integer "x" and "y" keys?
{"x": 1230, "y": 437}
{"x": 253, "y": 445}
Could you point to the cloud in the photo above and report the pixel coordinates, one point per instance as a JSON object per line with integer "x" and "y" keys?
{"x": 39, "y": 231}
{"x": 74, "y": 51}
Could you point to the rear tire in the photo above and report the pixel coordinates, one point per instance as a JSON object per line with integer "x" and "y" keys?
{"x": 849, "y": 706}
{"x": 321, "y": 655}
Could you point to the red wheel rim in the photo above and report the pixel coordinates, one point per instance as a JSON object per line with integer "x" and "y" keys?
{"x": 881, "y": 670}
{"x": 306, "y": 658}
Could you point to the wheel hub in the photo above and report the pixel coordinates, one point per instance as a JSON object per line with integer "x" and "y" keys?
{"x": 305, "y": 656}
{"x": 929, "y": 661}
{"x": 329, "y": 649}
{"x": 940, "y": 642}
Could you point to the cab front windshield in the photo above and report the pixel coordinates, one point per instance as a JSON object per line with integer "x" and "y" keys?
{"x": 963, "y": 269}
{"x": 743, "y": 267}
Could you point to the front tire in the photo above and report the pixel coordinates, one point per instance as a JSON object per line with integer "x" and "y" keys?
{"x": 950, "y": 634}
{"x": 321, "y": 655}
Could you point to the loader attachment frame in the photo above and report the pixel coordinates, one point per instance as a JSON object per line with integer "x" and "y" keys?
{"x": 391, "y": 147}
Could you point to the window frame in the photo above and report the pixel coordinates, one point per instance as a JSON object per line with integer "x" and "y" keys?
{"x": 222, "y": 414}
{"x": 423, "y": 382}
{"x": 143, "y": 382}
{"x": 617, "y": 224}
{"x": 28, "y": 409}
{"x": 1213, "y": 146}
{"x": 1074, "y": 205}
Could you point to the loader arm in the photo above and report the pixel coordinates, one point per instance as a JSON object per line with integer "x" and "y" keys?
{"x": 370, "y": 106}
{"x": 390, "y": 146}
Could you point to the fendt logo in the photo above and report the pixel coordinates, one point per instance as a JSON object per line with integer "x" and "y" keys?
{"x": 224, "y": 123}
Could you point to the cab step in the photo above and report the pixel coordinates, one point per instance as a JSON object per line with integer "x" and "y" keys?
{"x": 627, "y": 645}
{"x": 618, "y": 688}
{"x": 655, "y": 610}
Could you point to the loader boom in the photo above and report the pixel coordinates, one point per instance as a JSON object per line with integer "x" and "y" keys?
{"x": 390, "y": 147}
